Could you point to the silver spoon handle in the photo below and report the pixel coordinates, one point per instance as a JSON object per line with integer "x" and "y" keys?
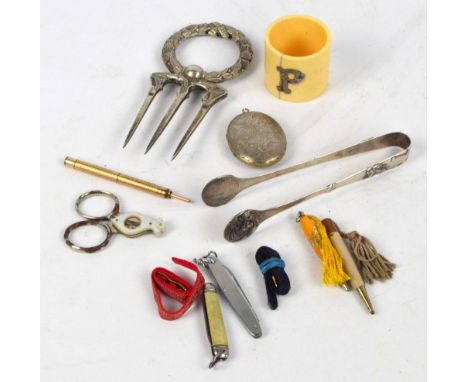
{"x": 368, "y": 172}
{"x": 387, "y": 140}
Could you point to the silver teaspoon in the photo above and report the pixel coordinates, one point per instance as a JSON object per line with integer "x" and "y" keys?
{"x": 246, "y": 223}
{"x": 222, "y": 190}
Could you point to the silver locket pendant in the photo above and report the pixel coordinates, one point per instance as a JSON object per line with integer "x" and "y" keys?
{"x": 256, "y": 139}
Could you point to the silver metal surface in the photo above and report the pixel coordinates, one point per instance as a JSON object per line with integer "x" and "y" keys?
{"x": 192, "y": 77}
{"x": 256, "y": 139}
{"x": 220, "y": 353}
{"x": 72, "y": 227}
{"x": 130, "y": 224}
{"x": 113, "y": 212}
{"x": 245, "y": 223}
{"x": 233, "y": 292}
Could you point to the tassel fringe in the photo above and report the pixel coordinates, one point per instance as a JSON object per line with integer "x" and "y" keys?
{"x": 332, "y": 272}
{"x": 373, "y": 265}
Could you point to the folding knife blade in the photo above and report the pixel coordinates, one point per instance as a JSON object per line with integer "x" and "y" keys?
{"x": 233, "y": 292}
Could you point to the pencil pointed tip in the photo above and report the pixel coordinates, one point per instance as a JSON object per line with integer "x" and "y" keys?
{"x": 365, "y": 298}
{"x": 182, "y": 198}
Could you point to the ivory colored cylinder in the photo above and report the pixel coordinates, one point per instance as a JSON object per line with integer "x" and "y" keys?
{"x": 348, "y": 262}
{"x": 297, "y": 57}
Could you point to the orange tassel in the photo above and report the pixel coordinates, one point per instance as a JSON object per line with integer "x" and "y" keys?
{"x": 315, "y": 232}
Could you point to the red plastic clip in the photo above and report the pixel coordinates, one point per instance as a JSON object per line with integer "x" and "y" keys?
{"x": 176, "y": 288}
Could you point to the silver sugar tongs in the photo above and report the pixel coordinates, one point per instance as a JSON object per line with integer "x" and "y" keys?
{"x": 245, "y": 223}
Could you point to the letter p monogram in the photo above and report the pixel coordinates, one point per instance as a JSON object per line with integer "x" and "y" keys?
{"x": 288, "y": 76}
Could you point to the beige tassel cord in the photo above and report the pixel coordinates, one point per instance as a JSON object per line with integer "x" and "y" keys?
{"x": 373, "y": 265}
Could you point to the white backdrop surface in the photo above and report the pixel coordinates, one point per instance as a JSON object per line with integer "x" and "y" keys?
{"x": 99, "y": 321}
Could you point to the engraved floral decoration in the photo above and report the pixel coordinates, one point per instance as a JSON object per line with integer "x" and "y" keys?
{"x": 242, "y": 225}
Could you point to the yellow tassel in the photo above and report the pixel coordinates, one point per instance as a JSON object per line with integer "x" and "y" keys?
{"x": 332, "y": 272}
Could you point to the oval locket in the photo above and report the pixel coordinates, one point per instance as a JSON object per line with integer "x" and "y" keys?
{"x": 256, "y": 139}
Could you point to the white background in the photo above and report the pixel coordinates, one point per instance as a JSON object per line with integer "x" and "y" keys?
{"x": 99, "y": 320}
